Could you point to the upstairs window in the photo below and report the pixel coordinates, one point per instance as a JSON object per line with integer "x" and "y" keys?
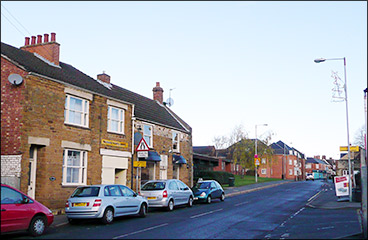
{"x": 147, "y": 134}
{"x": 115, "y": 120}
{"x": 76, "y": 111}
{"x": 175, "y": 141}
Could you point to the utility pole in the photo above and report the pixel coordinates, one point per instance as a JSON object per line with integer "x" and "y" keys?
{"x": 363, "y": 174}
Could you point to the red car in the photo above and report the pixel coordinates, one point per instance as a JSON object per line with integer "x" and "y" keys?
{"x": 20, "y": 212}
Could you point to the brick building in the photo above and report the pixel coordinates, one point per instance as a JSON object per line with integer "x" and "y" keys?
{"x": 61, "y": 128}
{"x": 286, "y": 163}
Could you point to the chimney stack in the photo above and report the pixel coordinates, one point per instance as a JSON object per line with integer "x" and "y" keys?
{"x": 103, "y": 77}
{"x": 48, "y": 50}
{"x": 317, "y": 157}
{"x": 158, "y": 93}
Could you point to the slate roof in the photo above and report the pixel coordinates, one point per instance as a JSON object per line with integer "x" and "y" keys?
{"x": 204, "y": 150}
{"x": 145, "y": 108}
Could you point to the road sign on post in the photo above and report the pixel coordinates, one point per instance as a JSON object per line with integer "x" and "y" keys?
{"x": 142, "y": 146}
{"x": 256, "y": 161}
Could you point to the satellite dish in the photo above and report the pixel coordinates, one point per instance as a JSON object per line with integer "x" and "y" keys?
{"x": 15, "y": 79}
{"x": 170, "y": 102}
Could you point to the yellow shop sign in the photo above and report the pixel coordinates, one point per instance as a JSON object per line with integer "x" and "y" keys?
{"x": 114, "y": 143}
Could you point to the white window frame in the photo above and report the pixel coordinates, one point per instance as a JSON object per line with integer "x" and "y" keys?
{"x": 317, "y": 166}
{"x": 82, "y": 176}
{"x": 263, "y": 160}
{"x": 120, "y": 120}
{"x": 308, "y": 165}
{"x": 263, "y": 171}
{"x": 85, "y": 111}
{"x": 223, "y": 165}
{"x": 290, "y": 172}
{"x": 177, "y": 149}
{"x": 290, "y": 162}
{"x": 150, "y": 142}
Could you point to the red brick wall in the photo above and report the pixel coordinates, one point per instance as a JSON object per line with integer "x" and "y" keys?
{"x": 12, "y": 98}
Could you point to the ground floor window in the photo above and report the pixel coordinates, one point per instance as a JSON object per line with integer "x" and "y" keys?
{"x": 74, "y": 167}
{"x": 264, "y": 171}
{"x": 290, "y": 171}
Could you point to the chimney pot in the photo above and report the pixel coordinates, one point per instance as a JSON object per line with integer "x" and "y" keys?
{"x": 45, "y": 38}
{"x": 39, "y": 39}
{"x": 27, "y": 41}
{"x": 33, "y": 40}
{"x": 53, "y": 37}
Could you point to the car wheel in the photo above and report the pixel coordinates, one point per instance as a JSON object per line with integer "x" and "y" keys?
{"x": 37, "y": 226}
{"x": 190, "y": 201}
{"x": 143, "y": 210}
{"x": 170, "y": 206}
{"x": 222, "y": 197}
{"x": 209, "y": 199}
{"x": 108, "y": 216}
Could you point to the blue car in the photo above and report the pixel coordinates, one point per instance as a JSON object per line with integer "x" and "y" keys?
{"x": 205, "y": 191}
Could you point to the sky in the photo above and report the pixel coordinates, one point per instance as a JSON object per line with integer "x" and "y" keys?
{"x": 229, "y": 64}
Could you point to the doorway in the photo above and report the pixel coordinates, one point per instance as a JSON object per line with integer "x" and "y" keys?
{"x": 32, "y": 171}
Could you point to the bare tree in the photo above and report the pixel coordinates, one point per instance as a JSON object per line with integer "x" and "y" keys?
{"x": 220, "y": 142}
{"x": 359, "y": 137}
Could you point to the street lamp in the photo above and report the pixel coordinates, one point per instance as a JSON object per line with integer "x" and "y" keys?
{"x": 256, "y": 154}
{"x": 347, "y": 117}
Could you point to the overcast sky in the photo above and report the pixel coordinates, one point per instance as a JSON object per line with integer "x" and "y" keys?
{"x": 228, "y": 63}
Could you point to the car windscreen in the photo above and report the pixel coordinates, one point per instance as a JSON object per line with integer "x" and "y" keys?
{"x": 152, "y": 186}
{"x": 86, "y": 192}
{"x": 203, "y": 185}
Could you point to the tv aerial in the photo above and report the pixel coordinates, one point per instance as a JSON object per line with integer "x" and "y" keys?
{"x": 170, "y": 101}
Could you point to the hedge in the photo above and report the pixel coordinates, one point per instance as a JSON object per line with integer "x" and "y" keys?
{"x": 221, "y": 177}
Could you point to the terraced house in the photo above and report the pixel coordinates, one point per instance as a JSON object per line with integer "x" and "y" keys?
{"x": 61, "y": 128}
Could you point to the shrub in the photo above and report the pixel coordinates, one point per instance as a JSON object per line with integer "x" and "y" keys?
{"x": 221, "y": 177}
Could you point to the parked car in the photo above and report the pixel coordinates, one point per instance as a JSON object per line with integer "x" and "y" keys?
{"x": 104, "y": 202}
{"x": 309, "y": 176}
{"x": 21, "y": 212}
{"x": 167, "y": 193}
{"x": 205, "y": 191}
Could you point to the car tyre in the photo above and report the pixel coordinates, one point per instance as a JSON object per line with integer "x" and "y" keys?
{"x": 143, "y": 210}
{"x": 108, "y": 216}
{"x": 37, "y": 226}
{"x": 222, "y": 198}
{"x": 190, "y": 202}
{"x": 170, "y": 206}
{"x": 209, "y": 199}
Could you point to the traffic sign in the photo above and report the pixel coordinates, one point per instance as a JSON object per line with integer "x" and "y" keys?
{"x": 352, "y": 149}
{"x": 139, "y": 163}
{"x": 142, "y": 154}
{"x": 256, "y": 161}
{"x": 142, "y": 146}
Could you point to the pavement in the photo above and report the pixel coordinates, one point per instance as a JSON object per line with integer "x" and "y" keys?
{"x": 324, "y": 199}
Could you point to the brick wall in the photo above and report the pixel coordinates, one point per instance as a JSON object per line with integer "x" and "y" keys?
{"x": 12, "y": 98}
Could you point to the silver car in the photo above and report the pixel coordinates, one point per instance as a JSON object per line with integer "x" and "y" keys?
{"x": 167, "y": 193}
{"x": 104, "y": 202}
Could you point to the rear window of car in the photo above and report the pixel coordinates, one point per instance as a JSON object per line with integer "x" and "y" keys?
{"x": 86, "y": 192}
{"x": 203, "y": 185}
{"x": 152, "y": 186}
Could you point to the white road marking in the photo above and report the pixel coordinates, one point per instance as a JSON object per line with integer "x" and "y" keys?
{"x": 206, "y": 213}
{"x": 143, "y": 230}
{"x": 241, "y": 204}
{"x": 329, "y": 227}
{"x": 61, "y": 224}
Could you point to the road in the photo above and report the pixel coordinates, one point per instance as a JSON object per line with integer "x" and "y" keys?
{"x": 279, "y": 212}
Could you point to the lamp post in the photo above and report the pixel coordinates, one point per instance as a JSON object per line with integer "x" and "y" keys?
{"x": 347, "y": 118}
{"x": 255, "y": 152}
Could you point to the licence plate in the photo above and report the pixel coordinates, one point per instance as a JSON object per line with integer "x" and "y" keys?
{"x": 82, "y": 204}
{"x": 195, "y": 198}
{"x": 150, "y": 198}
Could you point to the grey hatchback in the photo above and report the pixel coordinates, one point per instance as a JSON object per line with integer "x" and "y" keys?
{"x": 167, "y": 193}
{"x": 104, "y": 202}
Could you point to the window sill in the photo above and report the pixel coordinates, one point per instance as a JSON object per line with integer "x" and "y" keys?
{"x": 72, "y": 184}
{"x": 117, "y": 133}
{"x": 77, "y": 126}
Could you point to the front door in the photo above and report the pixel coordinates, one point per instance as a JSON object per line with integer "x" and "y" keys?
{"x": 32, "y": 171}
